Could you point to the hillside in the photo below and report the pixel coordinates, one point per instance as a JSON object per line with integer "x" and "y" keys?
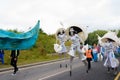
{"x": 41, "y": 51}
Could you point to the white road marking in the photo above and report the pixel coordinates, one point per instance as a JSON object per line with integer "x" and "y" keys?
{"x": 53, "y": 75}
{"x": 31, "y": 67}
{"x": 34, "y": 66}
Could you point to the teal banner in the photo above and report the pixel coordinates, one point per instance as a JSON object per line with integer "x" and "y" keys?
{"x": 20, "y": 41}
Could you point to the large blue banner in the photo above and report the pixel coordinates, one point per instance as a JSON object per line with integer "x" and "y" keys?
{"x": 12, "y": 41}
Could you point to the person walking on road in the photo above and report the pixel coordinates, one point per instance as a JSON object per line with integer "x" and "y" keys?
{"x": 14, "y": 57}
{"x": 95, "y": 53}
{"x": 89, "y": 56}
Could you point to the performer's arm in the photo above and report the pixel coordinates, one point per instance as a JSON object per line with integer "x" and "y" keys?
{"x": 80, "y": 40}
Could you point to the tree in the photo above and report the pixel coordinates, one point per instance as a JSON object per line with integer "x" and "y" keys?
{"x": 118, "y": 34}
{"x": 92, "y": 37}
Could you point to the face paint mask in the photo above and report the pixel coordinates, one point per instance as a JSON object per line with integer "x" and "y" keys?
{"x": 71, "y": 33}
{"x": 61, "y": 33}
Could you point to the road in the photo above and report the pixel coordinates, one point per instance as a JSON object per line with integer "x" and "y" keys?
{"x": 52, "y": 71}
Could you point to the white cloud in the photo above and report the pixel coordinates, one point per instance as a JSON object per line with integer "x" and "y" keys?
{"x": 25, "y": 13}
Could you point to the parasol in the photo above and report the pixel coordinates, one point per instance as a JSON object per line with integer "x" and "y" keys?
{"x": 76, "y": 29}
{"x": 81, "y": 31}
{"x": 99, "y": 40}
{"x": 111, "y": 36}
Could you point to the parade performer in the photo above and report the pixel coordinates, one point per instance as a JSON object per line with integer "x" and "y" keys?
{"x": 111, "y": 62}
{"x": 61, "y": 37}
{"x": 109, "y": 42}
{"x": 75, "y": 46}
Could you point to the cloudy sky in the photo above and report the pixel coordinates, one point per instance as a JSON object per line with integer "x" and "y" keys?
{"x": 22, "y": 14}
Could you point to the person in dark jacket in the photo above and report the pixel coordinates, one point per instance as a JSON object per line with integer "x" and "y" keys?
{"x": 14, "y": 56}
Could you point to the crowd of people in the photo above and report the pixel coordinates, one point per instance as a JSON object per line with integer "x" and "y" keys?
{"x": 95, "y": 52}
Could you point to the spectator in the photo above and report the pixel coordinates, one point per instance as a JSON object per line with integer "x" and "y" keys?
{"x": 2, "y": 56}
{"x": 95, "y": 52}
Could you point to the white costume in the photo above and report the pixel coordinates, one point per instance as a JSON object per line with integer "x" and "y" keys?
{"x": 73, "y": 33}
{"x": 76, "y": 45}
{"x": 61, "y": 48}
{"x": 110, "y": 61}
{"x": 61, "y": 38}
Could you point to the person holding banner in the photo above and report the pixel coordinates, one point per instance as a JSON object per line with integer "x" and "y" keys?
{"x": 2, "y": 56}
{"x": 14, "y": 57}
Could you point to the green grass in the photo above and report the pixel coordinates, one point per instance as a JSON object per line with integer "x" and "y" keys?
{"x": 41, "y": 51}
{"x": 28, "y": 58}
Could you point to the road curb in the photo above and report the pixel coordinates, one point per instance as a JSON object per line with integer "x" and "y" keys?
{"x": 30, "y": 65}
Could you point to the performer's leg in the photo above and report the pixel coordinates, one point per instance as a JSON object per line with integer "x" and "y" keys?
{"x": 71, "y": 60}
{"x": 12, "y": 62}
{"x": 81, "y": 55}
{"x": 115, "y": 71}
{"x": 109, "y": 64}
{"x": 60, "y": 56}
{"x": 65, "y": 57}
{"x": 15, "y": 66}
{"x": 88, "y": 65}
{"x": 108, "y": 69}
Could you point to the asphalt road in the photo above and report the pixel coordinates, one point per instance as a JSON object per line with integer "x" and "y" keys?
{"x": 52, "y": 71}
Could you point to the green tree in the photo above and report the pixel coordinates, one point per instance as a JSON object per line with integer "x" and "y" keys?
{"x": 92, "y": 37}
{"x": 118, "y": 34}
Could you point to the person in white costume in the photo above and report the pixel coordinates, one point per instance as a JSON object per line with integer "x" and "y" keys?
{"x": 110, "y": 62}
{"x": 76, "y": 40}
{"x": 62, "y": 38}
{"x": 75, "y": 46}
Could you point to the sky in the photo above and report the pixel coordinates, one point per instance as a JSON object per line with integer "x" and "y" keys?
{"x": 24, "y": 14}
